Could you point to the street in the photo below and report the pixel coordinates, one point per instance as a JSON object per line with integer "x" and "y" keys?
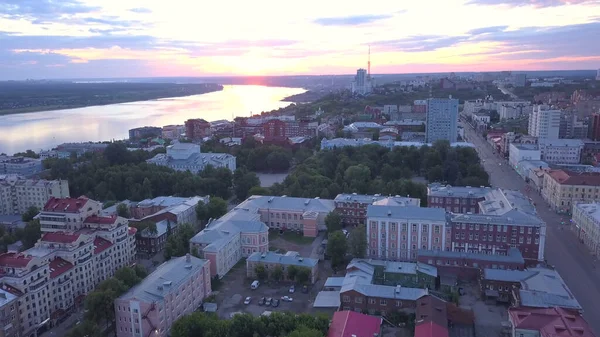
{"x": 570, "y": 257}
{"x": 63, "y": 328}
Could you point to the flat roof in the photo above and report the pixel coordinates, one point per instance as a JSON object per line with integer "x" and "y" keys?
{"x": 406, "y": 212}
{"x": 506, "y": 275}
{"x": 288, "y": 259}
{"x": 327, "y": 299}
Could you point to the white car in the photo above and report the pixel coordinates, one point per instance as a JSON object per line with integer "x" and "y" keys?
{"x": 247, "y": 300}
{"x": 286, "y": 299}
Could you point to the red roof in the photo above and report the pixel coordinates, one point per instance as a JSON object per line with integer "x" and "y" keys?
{"x": 565, "y": 177}
{"x": 102, "y": 220}
{"x": 14, "y": 260}
{"x": 550, "y": 322}
{"x": 431, "y": 329}
{"x": 132, "y": 230}
{"x": 60, "y": 237}
{"x": 348, "y": 323}
{"x": 65, "y": 205}
{"x": 101, "y": 245}
{"x": 58, "y": 266}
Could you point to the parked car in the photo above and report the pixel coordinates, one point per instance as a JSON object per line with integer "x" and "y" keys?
{"x": 286, "y": 299}
{"x": 305, "y": 289}
{"x": 292, "y": 289}
{"x": 262, "y": 301}
{"x": 268, "y": 301}
{"x": 248, "y": 299}
{"x": 275, "y": 303}
{"x": 254, "y": 285}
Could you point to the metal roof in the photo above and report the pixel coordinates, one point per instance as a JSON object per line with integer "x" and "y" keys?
{"x": 327, "y": 299}
{"x": 545, "y": 289}
{"x": 408, "y": 212}
{"x": 506, "y": 275}
{"x": 287, "y": 259}
{"x": 513, "y": 255}
{"x": 334, "y": 282}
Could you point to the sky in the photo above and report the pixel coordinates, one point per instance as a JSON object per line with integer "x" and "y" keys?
{"x": 148, "y": 38}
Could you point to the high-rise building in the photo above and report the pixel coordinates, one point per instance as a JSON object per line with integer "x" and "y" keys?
{"x": 442, "y": 119}
{"x": 196, "y": 129}
{"x": 544, "y": 122}
{"x": 594, "y": 130}
{"x": 363, "y": 84}
{"x": 598, "y": 75}
{"x": 17, "y": 193}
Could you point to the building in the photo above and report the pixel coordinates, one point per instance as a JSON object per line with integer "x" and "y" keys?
{"x": 442, "y": 120}
{"x": 197, "y": 129}
{"x": 188, "y": 157}
{"x": 363, "y": 83}
{"x": 272, "y": 260}
{"x": 511, "y": 137}
{"x": 244, "y": 229}
{"x": 361, "y": 294}
{"x": 328, "y": 144}
{"x": 456, "y": 199}
{"x": 81, "y": 148}
{"x": 353, "y": 207}
{"x": 419, "y": 106}
{"x": 10, "y": 324}
{"x": 562, "y": 188}
{"x": 573, "y": 126}
{"x": 512, "y": 110}
{"x": 353, "y": 324}
{"x": 548, "y": 322}
{"x": 23, "y": 166}
{"x": 406, "y": 274}
{"x": 544, "y": 289}
{"x": 144, "y": 133}
{"x": 498, "y": 284}
{"x": 397, "y": 232}
{"x": 519, "y": 80}
{"x": 173, "y": 131}
{"x": 586, "y": 221}
{"x": 176, "y": 288}
{"x": 431, "y": 317}
{"x": 78, "y": 249}
{"x": 561, "y": 151}
{"x": 276, "y": 130}
{"x": 17, "y": 193}
{"x": 598, "y": 75}
{"x": 544, "y": 122}
{"x": 54, "y": 154}
{"x": 595, "y": 127}
{"x": 521, "y": 152}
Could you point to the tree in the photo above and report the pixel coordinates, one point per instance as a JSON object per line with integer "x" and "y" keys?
{"x": 30, "y": 213}
{"x": 303, "y": 331}
{"x": 128, "y": 276}
{"x": 303, "y": 275}
{"x": 202, "y": 212}
{"x": 337, "y": 248}
{"x": 140, "y": 271}
{"x": 100, "y": 307}
{"x": 333, "y": 222}
{"x": 357, "y": 242}
{"x": 261, "y": 272}
{"x": 243, "y": 182}
{"x": 123, "y": 211}
{"x": 277, "y": 273}
{"x": 178, "y": 243}
{"x": 169, "y": 229}
{"x": 216, "y": 207}
{"x": 87, "y": 328}
{"x": 31, "y": 233}
{"x": 292, "y": 272}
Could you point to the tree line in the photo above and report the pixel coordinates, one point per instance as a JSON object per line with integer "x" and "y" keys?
{"x": 283, "y": 324}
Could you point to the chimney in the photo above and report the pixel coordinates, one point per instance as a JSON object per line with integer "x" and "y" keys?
{"x": 188, "y": 258}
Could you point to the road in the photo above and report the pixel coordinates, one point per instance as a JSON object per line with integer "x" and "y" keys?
{"x": 507, "y": 92}
{"x": 577, "y": 267}
{"x": 63, "y": 328}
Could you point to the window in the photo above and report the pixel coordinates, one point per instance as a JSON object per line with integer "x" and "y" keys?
{"x": 393, "y": 226}
{"x": 371, "y": 301}
{"x": 358, "y": 300}
{"x": 383, "y": 302}
{"x": 346, "y": 299}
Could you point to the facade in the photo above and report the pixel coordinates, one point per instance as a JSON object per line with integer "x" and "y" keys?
{"x": 520, "y": 152}
{"x": 173, "y": 131}
{"x": 361, "y": 294}
{"x": 573, "y": 127}
{"x": 353, "y": 207}
{"x": 397, "y": 232}
{"x": 328, "y": 144}
{"x": 20, "y": 165}
{"x": 17, "y": 193}
{"x": 510, "y": 110}
{"x": 271, "y": 260}
{"x": 244, "y": 229}
{"x": 188, "y": 157}
{"x": 176, "y": 288}
{"x": 275, "y": 129}
{"x": 511, "y": 137}
{"x": 145, "y": 132}
{"x": 363, "y": 83}
{"x": 456, "y": 199}
{"x": 544, "y": 122}
{"x": 78, "y": 249}
{"x": 350, "y": 323}
{"x": 54, "y": 154}
{"x": 197, "y": 129}
{"x": 81, "y": 148}
{"x": 519, "y": 80}
{"x": 431, "y": 317}
{"x": 562, "y": 189}
{"x": 442, "y": 120}
{"x": 561, "y": 151}
{"x": 595, "y": 127}
{"x": 10, "y": 324}
{"x": 586, "y": 221}
{"x": 547, "y": 322}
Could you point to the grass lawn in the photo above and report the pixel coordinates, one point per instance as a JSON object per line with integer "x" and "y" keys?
{"x": 291, "y": 236}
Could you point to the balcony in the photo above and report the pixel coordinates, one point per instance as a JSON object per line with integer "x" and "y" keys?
{"x": 38, "y": 285}
{"x": 65, "y": 280}
{"x": 84, "y": 259}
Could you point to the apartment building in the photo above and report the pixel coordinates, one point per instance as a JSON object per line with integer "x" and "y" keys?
{"x": 520, "y": 152}
{"x": 54, "y": 154}
{"x": 17, "y": 193}
{"x": 456, "y": 199}
{"x": 586, "y": 221}
{"x": 20, "y": 165}
{"x": 197, "y": 129}
{"x": 544, "y": 122}
{"x": 270, "y": 260}
{"x": 175, "y": 289}
{"x": 353, "y": 207}
{"x": 396, "y": 232}
{"x": 78, "y": 249}
{"x": 9, "y": 307}
{"x": 144, "y": 132}
{"x": 562, "y": 188}
{"x": 244, "y": 229}
{"x": 561, "y": 151}
{"x": 442, "y": 119}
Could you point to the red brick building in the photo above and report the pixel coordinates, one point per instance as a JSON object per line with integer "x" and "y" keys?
{"x": 353, "y": 207}
{"x": 196, "y": 129}
{"x": 595, "y": 127}
{"x": 456, "y": 199}
{"x": 498, "y": 284}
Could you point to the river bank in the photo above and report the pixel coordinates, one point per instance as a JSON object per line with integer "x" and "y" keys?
{"x": 305, "y": 97}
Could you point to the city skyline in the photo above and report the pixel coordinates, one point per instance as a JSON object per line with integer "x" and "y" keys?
{"x": 93, "y": 38}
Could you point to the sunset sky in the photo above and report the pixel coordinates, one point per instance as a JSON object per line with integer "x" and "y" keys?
{"x": 144, "y": 38}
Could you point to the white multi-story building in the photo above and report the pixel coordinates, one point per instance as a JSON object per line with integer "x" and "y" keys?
{"x": 586, "y": 218}
{"x": 509, "y": 110}
{"x": 561, "y": 151}
{"x": 188, "y": 157}
{"x": 78, "y": 249}
{"x": 9, "y": 305}
{"x": 175, "y": 289}
{"x": 20, "y": 165}
{"x": 397, "y": 233}
{"x": 363, "y": 83}
{"x": 442, "y": 120}
{"x": 54, "y": 154}
{"x": 17, "y": 193}
{"x": 544, "y": 122}
{"x": 520, "y": 152}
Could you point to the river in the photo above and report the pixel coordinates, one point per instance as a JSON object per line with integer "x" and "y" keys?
{"x": 46, "y": 129}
